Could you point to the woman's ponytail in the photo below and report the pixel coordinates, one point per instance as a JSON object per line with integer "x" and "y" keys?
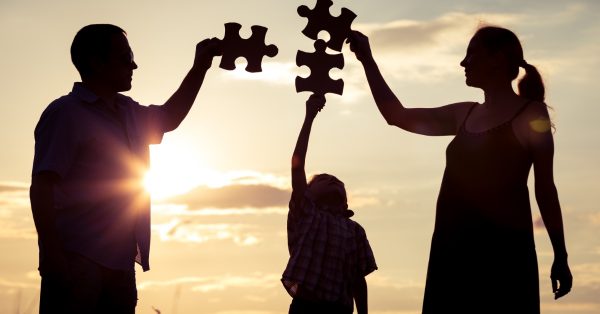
{"x": 531, "y": 86}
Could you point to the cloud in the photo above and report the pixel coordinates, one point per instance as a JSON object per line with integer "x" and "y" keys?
{"x": 426, "y": 50}
{"x": 17, "y": 285}
{"x": 234, "y": 196}
{"x": 191, "y": 231}
{"x": 16, "y": 221}
{"x": 250, "y": 195}
{"x": 12, "y": 187}
{"x": 449, "y": 31}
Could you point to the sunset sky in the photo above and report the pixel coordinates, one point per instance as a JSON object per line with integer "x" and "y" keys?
{"x": 221, "y": 180}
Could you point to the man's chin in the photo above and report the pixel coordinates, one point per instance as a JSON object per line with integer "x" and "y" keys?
{"x": 125, "y": 88}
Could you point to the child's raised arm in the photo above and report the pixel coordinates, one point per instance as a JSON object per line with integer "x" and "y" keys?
{"x": 314, "y": 104}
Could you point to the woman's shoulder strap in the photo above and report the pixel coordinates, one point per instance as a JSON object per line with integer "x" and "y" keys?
{"x": 523, "y": 107}
{"x": 464, "y": 121}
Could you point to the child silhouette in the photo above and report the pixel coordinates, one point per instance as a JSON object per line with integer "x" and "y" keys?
{"x": 329, "y": 253}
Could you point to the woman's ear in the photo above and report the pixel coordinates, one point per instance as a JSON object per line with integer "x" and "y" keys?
{"x": 499, "y": 62}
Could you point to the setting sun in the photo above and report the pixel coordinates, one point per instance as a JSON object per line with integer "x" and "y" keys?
{"x": 173, "y": 171}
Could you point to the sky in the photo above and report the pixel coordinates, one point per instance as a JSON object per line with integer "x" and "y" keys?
{"x": 220, "y": 182}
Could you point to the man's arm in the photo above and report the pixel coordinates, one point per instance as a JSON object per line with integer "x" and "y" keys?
{"x": 360, "y": 295}
{"x": 313, "y": 105}
{"x": 180, "y": 103}
{"x": 44, "y": 217}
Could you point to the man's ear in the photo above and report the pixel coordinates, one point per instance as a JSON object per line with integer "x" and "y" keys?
{"x": 97, "y": 65}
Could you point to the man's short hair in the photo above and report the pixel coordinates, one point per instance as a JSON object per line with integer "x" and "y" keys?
{"x": 92, "y": 41}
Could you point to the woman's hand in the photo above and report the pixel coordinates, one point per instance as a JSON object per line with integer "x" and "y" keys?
{"x": 561, "y": 277}
{"x": 359, "y": 44}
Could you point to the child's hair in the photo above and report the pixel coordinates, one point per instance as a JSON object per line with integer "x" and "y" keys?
{"x": 338, "y": 199}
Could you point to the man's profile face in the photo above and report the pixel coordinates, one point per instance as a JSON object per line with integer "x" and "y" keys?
{"x": 117, "y": 71}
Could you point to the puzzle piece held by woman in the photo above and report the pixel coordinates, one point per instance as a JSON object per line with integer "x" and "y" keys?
{"x": 253, "y": 48}
{"x": 320, "y": 63}
{"x": 319, "y": 19}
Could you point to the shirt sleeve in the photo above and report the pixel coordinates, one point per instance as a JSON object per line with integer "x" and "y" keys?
{"x": 56, "y": 141}
{"x": 150, "y": 123}
{"x": 366, "y": 259}
{"x": 301, "y": 205}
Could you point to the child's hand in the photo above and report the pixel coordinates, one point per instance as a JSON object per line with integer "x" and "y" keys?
{"x": 314, "y": 104}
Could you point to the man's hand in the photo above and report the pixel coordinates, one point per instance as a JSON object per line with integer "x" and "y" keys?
{"x": 206, "y": 50}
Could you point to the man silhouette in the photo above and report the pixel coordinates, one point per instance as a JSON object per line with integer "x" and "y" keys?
{"x": 90, "y": 210}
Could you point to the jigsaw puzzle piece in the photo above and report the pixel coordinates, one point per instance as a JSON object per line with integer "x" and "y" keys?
{"x": 252, "y": 49}
{"x": 319, "y": 19}
{"x": 320, "y": 63}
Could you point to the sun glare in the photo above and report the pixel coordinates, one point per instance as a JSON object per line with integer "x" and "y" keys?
{"x": 174, "y": 171}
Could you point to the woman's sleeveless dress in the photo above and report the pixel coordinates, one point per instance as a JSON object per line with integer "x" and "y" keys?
{"x": 482, "y": 257}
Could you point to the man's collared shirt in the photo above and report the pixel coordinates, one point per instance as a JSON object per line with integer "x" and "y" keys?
{"x": 101, "y": 156}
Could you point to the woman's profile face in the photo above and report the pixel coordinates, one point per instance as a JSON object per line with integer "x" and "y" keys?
{"x": 478, "y": 64}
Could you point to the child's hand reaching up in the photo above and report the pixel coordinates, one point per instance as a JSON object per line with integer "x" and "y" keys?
{"x": 314, "y": 104}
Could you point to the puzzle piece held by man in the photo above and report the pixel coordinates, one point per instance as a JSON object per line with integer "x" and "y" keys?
{"x": 320, "y": 63}
{"x": 253, "y": 49}
{"x": 320, "y": 19}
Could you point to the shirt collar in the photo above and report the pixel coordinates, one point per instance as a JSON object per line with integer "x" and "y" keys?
{"x": 83, "y": 93}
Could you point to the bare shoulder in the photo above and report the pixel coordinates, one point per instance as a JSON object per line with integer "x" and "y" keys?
{"x": 536, "y": 108}
{"x": 460, "y": 111}
{"x": 533, "y": 126}
{"x": 462, "y": 108}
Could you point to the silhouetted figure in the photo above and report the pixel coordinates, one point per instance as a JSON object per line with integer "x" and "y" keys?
{"x": 483, "y": 257}
{"x": 329, "y": 253}
{"x": 90, "y": 209}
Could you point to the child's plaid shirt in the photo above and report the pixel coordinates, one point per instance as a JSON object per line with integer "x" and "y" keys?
{"x": 327, "y": 253}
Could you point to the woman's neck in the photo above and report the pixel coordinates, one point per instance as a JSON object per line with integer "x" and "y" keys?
{"x": 499, "y": 94}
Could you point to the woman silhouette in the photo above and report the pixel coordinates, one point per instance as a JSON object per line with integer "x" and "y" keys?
{"x": 482, "y": 257}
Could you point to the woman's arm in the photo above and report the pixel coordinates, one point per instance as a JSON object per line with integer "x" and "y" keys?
{"x": 541, "y": 145}
{"x": 443, "y": 120}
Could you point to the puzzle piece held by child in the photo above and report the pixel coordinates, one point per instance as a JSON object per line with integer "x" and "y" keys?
{"x": 319, "y": 19}
{"x": 253, "y": 48}
{"x": 320, "y": 63}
